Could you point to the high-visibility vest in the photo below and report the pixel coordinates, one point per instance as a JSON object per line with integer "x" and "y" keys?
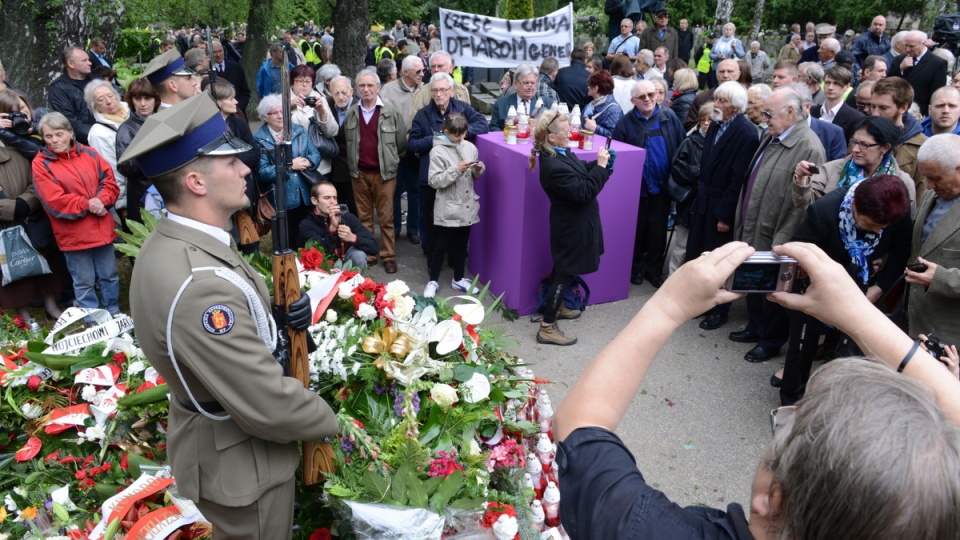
{"x": 310, "y": 55}
{"x": 457, "y": 75}
{"x": 378, "y": 52}
{"x": 703, "y": 65}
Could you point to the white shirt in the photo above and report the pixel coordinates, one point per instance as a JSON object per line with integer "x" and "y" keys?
{"x": 216, "y": 232}
{"x": 368, "y": 114}
{"x": 827, "y": 115}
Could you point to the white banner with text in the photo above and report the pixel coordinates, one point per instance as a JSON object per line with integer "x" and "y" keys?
{"x": 482, "y": 41}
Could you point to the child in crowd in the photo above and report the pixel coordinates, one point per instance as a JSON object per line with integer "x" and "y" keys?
{"x": 454, "y": 165}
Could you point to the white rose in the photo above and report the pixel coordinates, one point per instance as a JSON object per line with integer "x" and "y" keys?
{"x": 396, "y": 289}
{"x": 403, "y": 307}
{"x": 506, "y": 527}
{"x": 366, "y": 312}
{"x": 443, "y": 394}
{"x": 345, "y": 290}
{"x": 331, "y": 316}
{"x": 31, "y": 410}
{"x": 476, "y": 389}
{"x": 136, "y": 367}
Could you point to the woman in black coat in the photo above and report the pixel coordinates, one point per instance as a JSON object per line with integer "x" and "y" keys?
{"x": 855, "y": 226}
{"x": 143, "y": 101}
{"x": 576, "y": 237}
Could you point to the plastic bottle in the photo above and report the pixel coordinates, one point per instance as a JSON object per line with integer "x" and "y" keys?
{"x": 535, "y": 470}
{"x": 523, "y": 125}
{"x": 511, "y": 118}
{"x": 551, "y": 505}
{"x": 574, "y": 141}
{"x": 537, "y": 516}
{"x": 545, "y": 452}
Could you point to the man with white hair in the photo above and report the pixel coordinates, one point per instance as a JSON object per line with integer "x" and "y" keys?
{"x": 756, "y": 95}
{"x": 811, "y": 74}
{"x": 644, "y": 64}
{"x": 626, "y": 43}
{"x": 728, "y": 148}
{"x": 727, "y": 70}
{"x": 935, "y": 292}
{"x": 876, "y": 42}
{"x": 944, "y": 112}
{"x": 828, "y": 53}
{"x": 766, "y": 216}
{"x": 440, "y": 62}
{"x": 925, "y": 72}
{"x": 525, "y": 82}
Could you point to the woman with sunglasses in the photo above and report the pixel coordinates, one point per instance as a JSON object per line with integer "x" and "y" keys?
{"x": 576, "y": 237}
{"x": 871, "y": 153}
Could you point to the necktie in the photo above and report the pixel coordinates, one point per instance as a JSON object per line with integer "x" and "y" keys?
{"x": 752, "y": 179}
{"x": 526, "y": 105}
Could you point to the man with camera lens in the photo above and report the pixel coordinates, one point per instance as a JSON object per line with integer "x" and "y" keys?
{"x": 935, "y": 283}
{"x": 338, "y": 232}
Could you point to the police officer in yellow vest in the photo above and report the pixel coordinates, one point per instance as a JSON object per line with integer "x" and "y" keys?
{"x": 704, "y": 64}
{"x": 311, "y": 51}
{"x": 205, "y": 325}
{"x": 385, "y": 50}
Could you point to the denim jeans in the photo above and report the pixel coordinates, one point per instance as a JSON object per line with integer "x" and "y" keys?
{"x": 95, "y": 266}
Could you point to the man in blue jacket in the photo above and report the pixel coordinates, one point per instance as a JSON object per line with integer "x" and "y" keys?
{"x": 659, "y": 132}
{"x": 571, "y": 81}
{"x": 429, "y": 120}
{"x": 268, "y": 78}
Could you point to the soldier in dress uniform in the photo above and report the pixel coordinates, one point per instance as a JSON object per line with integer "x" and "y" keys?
{"x": 204, "y": 322}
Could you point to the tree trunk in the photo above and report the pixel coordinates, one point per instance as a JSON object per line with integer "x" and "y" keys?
{"x": 757, "y": 19}
{"x": 351, "y": 18}
{"x": 256, "y": 46}
{"x": 723, "y": 13}
{"x": 931, "y": 10}
{"x": 32, "y": 35}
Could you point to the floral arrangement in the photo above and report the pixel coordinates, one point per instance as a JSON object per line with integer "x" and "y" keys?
{"x": 79, "y": 428}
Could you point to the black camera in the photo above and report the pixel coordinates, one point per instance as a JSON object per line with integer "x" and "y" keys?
{"x": 311, "y": 101}
{"x": 935, "y": 347}
{"x": 21, "y": 126}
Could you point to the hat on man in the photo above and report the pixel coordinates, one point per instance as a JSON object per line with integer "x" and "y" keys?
{"x": 824, "y": 29}
{"x": 849, "y": 33}
{"x": 712, "y": 35}
{"x": 401, "y": 44}
{"x": 175, "y": 136}
{"x": 845, "y": 59}
{"x": 165, "y": 66}
{"x": 662, "y": 11}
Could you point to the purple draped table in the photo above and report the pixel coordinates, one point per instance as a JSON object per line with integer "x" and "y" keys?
{"x": 510, "y": 247}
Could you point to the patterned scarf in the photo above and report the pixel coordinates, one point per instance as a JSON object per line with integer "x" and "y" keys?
{"x": 858, "y": 248}
{"x": 853, "y": 173}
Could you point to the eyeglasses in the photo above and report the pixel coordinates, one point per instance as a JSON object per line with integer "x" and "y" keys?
{"x": 552, "y": 120}
{"x": 768, "y": 115}
{"x": 780, "y": 416}
{"x": 417, "y": 71}
{"x": 862, "y": 145}
{"x": 643, "y": 97}
{"x": 439, "y": 90}
{"x": 274, "y": 113}
{"x": 303, "y": 81}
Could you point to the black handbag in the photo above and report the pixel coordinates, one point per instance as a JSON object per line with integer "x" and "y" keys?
{"x": 38, "y": 229}
{"x": 679, "y": 194}
{"x": 327, "y": 146}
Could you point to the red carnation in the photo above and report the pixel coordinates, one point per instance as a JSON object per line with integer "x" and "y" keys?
{"x": 125, "y": 462}
{"x": 19, "y": 322}
{"x": 120, "y": 358}
{"x": 33, "y": 383}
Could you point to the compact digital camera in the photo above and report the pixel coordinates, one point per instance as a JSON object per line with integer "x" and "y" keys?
{"x": 311, "y": 101}
{"x": 763, "y": 272}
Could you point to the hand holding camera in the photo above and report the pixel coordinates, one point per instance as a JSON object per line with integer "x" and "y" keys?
{"x": 921, "y": 272}
{"x": 16, "y": 122}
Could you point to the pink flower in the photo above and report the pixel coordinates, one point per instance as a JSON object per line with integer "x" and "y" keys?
{"x": 444, "y": 466}
{"x": 506, "y": 454}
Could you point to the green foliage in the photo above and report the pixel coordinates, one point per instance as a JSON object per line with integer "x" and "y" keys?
{"x": 543, "y": 7}
{"x": 588, "y": 31}
{"x": 134, "y": 42}
{"x": 518, "y": 9}
{"x": 385, "y": 12}
{"x": 139, "y": 232}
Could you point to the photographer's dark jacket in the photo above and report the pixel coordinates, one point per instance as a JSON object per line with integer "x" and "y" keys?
{"x": 317, "y": 227}
{"x": 66, "y": 96}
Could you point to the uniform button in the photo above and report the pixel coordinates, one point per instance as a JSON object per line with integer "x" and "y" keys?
{"x": 327, "y": 440}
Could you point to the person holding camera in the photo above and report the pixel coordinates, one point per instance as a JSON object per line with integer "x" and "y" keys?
{"x": 309, "y": 109}
{"x": 855, "y": 225}
{"x": 885, "y": 446}
{"x": 338, "y": 232}
{"x": 17, "y": 127}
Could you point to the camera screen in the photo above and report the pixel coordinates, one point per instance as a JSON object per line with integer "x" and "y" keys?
{"x": 756, "y": 277}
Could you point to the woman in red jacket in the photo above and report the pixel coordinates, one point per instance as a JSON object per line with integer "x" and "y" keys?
{"x": 76, "y": 187}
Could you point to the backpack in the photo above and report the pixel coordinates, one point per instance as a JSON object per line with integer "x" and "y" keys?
{"x": 573, "y": 298}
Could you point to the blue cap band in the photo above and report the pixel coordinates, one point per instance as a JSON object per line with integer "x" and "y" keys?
{"x": 183, "y": 150}
{"x": 169, "y": 70}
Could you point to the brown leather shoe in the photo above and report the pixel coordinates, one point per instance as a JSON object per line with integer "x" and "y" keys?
{"x": 390, "y": 266}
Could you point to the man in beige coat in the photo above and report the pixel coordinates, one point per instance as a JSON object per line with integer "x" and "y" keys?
{"x": 204, "y": 322}
{"x": 766, "y": 215}
{"x": 935, "y": 292}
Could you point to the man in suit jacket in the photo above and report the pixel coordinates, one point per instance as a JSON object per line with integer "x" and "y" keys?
{"x": 766, "y": 216}
{"x": 935, "y": 292}
{"x": 728, "y": 146}
{"x": 571, "y": 81}
{"x": 660, "y": 34}
{"x": 97, "y": 52}
{"x": 233, "y": 74}
{"x": 925, "y": 72}
{"x": 232, "y": 409}
{"x": 834, "y": 111}
{"x": 831, "y": 136}
{"x": 525, "y": 81}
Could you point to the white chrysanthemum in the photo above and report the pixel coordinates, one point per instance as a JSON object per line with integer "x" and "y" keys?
{"x": 403, "y": 308}
{"x": 89, "y": 393}
{"x": 395, "y": 289}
